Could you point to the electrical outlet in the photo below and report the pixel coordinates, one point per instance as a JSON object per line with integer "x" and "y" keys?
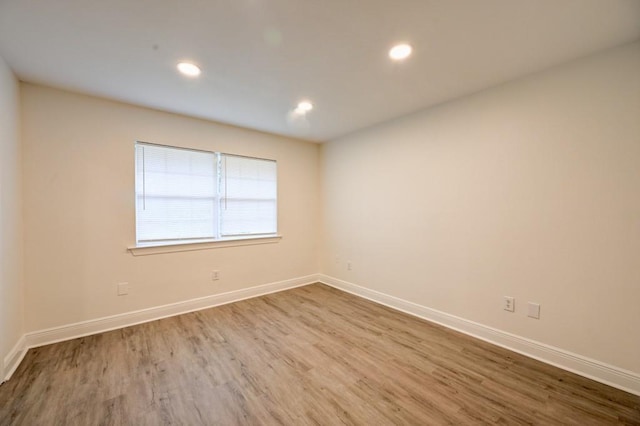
{"x": 215, "y": 275}
{"x": 534, "y": 310}
{"x": 509, "y": 304}
{"x": 123, "y": 289}
{"x": 349, "y": 266}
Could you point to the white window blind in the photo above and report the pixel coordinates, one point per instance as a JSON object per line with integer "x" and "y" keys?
{"x": 184, "y": 194}
{"x": 248, "y": 204}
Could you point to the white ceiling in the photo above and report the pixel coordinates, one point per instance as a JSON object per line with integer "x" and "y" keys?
{"x": 260, "y": 57}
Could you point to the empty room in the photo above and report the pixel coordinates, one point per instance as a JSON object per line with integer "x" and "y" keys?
{"x": 377, "y": 212}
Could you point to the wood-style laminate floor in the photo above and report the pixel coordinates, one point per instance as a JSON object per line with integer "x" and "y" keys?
{"x": 311, "y": 355}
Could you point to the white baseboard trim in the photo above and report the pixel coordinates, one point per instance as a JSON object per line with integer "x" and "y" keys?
{"x": 100, "y": 325}
{"x": 14, "y": 358}
{"x": 599, "y": 371}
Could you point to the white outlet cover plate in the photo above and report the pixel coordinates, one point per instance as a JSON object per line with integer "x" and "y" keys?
{"x": 509, "y": 303}
{"x": 123, "y": 289}
{"x": 534, "y": 310}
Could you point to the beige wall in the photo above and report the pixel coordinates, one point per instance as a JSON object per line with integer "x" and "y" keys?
{"x": 530, "y": 189}
{"x": 11, "y": 284}
{"x": 80, "y": 213}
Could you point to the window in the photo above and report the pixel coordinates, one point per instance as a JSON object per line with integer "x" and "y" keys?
{"x": 185, "y": 195}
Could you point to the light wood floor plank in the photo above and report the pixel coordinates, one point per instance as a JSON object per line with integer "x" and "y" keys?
{"x": 308, "y": 356}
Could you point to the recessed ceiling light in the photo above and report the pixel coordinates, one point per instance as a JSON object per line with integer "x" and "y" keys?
{"x": 189, "y": 69}
{"x": 400, "y": 52}
{"x": 303, "y": 107}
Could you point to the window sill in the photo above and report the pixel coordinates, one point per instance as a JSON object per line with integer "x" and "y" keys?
{"x": 160, "y": 248}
